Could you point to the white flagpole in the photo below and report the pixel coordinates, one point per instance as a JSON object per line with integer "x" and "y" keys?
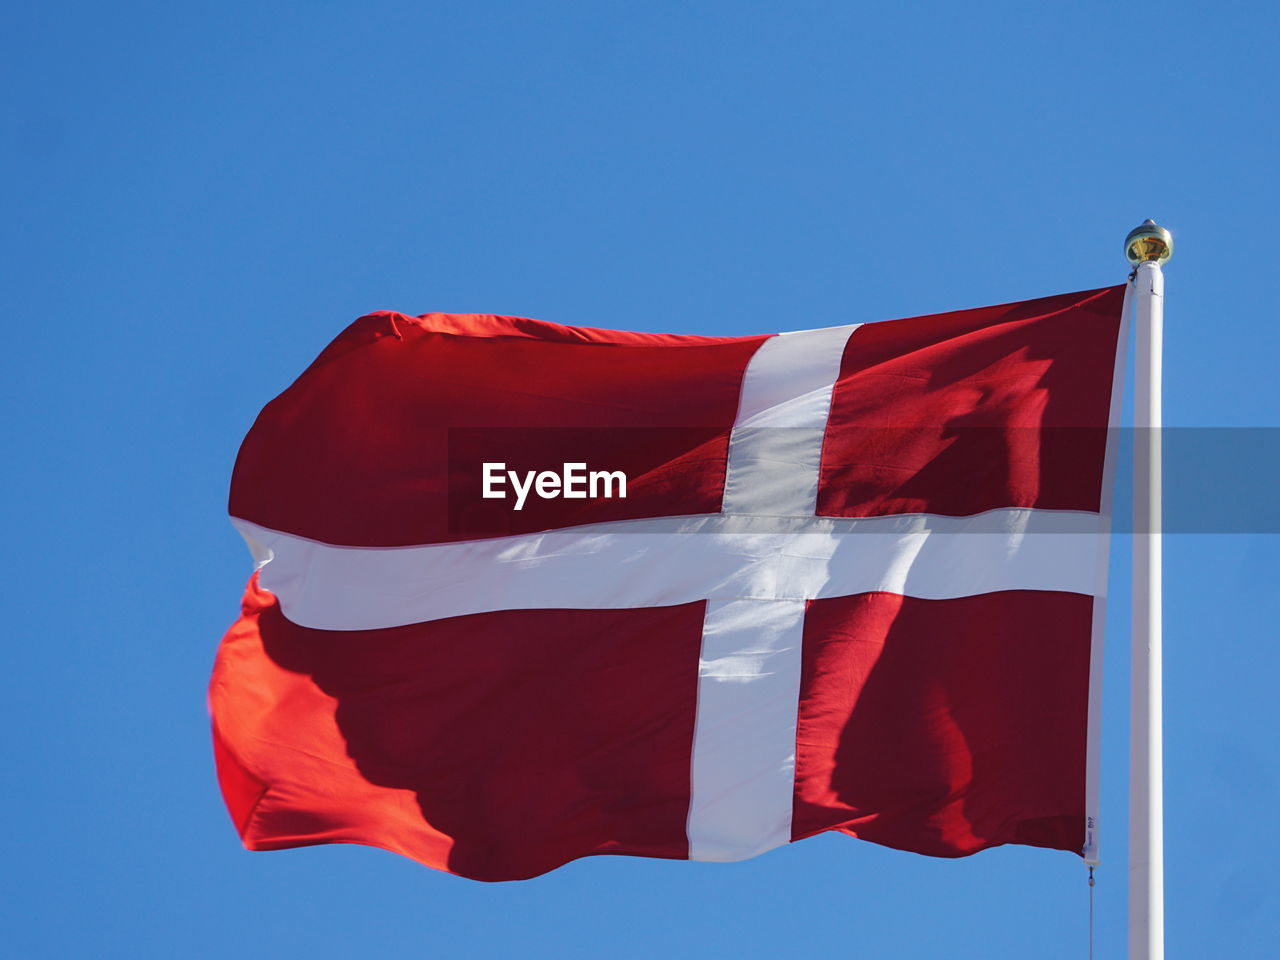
{"x": 1147, "y": 247}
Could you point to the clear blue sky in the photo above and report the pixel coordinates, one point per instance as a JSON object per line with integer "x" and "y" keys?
{"x": 199, "y": 196}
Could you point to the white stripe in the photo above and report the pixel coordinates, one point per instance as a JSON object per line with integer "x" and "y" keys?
{"x": 744, "y": 745}
{"x": 668, "y": 561}
{"x": 1093, "y": 750}
{"x": 782, "y": 416}
{"x": 744, "y": 752}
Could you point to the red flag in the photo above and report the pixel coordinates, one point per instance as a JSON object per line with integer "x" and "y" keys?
{"x": 528, "y": 593}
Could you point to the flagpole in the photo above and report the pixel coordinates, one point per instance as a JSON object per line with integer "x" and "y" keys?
{"x": 1147, "y": 247}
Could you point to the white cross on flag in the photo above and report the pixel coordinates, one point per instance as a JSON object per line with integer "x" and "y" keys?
{"x": 527, "y": 593}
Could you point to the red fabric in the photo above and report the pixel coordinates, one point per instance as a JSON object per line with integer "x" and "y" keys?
{"x": 945, "y": 726}
{"x": 501, "y": 745}
{"x": 496, "y": 746}
{"x": 964, "y": 412}
{"x": 358, "y": 450}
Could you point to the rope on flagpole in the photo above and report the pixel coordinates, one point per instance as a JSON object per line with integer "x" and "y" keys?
{"x": 1091, "y": 913}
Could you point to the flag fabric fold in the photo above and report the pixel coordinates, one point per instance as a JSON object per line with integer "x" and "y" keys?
{"x": 852, "y": 582}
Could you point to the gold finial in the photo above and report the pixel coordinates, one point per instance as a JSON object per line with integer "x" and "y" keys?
{"x": 1148, "y": 242}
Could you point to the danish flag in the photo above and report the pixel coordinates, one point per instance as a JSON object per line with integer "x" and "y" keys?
{"x": 855, "y": 583}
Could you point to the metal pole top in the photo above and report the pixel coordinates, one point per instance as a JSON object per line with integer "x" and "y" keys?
{"x": 1148, "y": 243}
